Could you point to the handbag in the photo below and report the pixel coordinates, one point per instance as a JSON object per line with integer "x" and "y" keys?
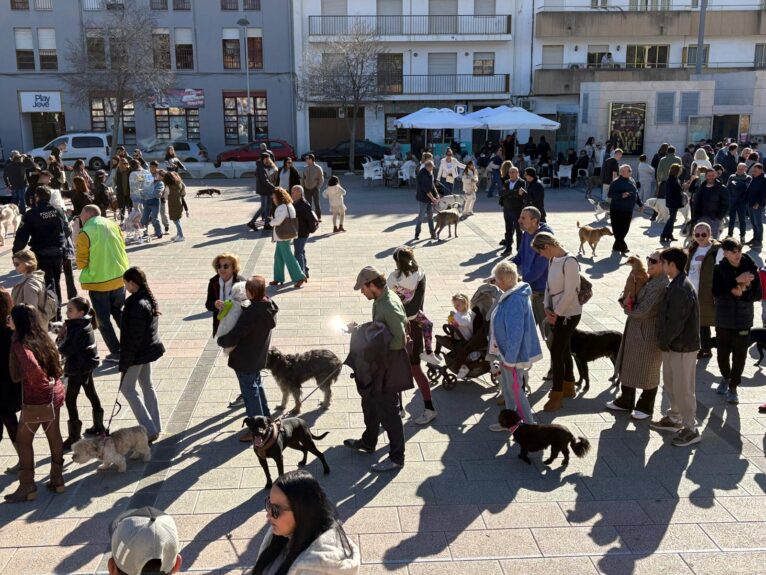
{"x": 288, "y": 229}
{"x": 38, "y": 414}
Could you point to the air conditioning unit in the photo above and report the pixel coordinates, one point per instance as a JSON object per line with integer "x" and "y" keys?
{"x": 574, "y": 66}
{"x": 528, "y": 104}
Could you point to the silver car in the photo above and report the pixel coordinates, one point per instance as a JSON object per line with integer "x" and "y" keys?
{"x": 185, "y": 151}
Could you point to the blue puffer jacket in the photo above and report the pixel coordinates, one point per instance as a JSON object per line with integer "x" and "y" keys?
{"x": 514, "y": 333}
{"x": 532, "y": 266}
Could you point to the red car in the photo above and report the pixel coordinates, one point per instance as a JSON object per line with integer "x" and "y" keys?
{"x": 252, "y": 152}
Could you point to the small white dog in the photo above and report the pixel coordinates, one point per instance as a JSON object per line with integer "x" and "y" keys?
{"x": 663, "y": 213}
{"x": 9, "y": 216}
{"x": 238, "y": 300}
{"x": 113, "y": 449}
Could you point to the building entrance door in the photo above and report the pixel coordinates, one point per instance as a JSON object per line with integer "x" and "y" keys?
{"x": 46, "y": 126}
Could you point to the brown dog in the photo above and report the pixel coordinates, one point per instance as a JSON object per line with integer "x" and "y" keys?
{"x": 636, "y": 281}
{"x": 592, "y": 236}
{"x": 449, "y": 217}
{"x": 114, "y": 205}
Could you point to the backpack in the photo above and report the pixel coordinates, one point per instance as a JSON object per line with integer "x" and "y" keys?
{"x": 313, "y": 223}
{"x": 585, "y": 291}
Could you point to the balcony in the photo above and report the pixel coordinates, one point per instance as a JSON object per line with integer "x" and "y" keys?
{"x": 563, "y": 79}
{"x": 442, "y": 85}
{"x": 411, "y": 27}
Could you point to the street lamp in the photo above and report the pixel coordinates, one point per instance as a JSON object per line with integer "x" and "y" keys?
{"x": 244, "y": 23}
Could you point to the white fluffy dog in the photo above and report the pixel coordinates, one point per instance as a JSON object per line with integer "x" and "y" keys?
{"x": 663, "y": 213}
{"x": 238, "y": 301}
{"x": 9, "y": 216}
{"x": 113, "y": 449}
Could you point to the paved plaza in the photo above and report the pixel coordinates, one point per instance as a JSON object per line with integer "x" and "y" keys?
{"x": 463, "y": 504}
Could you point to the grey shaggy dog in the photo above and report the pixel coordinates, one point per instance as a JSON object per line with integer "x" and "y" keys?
{"x": 292, "y": 370}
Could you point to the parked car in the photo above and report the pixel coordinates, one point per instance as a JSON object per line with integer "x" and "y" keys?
{"x": 186, "y": 151}
{"x": 252, "y": 152}
{"x": 337, "y": 157}
{"x": 92, "y": 147}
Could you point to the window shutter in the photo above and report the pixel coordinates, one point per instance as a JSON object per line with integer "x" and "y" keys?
{"x": 442, "y": 64}
{"x": 484, "y": 7}
{"x": 442, "y": 7}
{"x": 255, "y": 32}
{"x": 184, "y": 36}
{"x": 690, "y": 106}
{"x": 23, "y": 38}
{"x": 46, "y": 38}
{"x": 585, "y": 107}
{"x": 389, "y": 8}
{"x": 334, "y": 8}
{"x": 231, "y": 33}
{"x": 666, "y": 102}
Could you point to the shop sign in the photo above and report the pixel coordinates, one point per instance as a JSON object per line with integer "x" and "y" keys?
{"x": 187, "y": 98}
{"x": 40, "y": 102}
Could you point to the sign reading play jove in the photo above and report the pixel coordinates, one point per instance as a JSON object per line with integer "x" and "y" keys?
{"x": 40, "y": 101}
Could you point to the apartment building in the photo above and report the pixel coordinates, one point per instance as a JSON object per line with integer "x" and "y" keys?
{"x": 208, "y": 44}
{"x": 439, "y": 53}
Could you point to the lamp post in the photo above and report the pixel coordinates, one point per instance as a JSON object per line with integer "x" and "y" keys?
{"x": 244, "y": 23}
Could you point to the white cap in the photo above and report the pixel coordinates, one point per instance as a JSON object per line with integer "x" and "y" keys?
{"x": 143, "y": 535}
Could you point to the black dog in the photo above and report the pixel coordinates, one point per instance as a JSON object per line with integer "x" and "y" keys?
{"x": 533, "y": 438}
{"x": 590, "y": 345}
{"x": 291, "y": 370}
{"x": 271, "y": 439}
{"x": 208, "y": 192}
{"x": 758, "y": 337}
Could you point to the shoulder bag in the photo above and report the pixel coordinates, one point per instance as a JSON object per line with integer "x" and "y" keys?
{"x": 288, "y": 229}
{"x": 33, "y": 415}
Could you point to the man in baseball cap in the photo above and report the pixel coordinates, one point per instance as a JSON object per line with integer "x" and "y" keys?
{"x": 144, "y": 541}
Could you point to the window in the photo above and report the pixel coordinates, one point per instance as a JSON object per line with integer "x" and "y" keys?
{"x": 117, "y": 49}
{"x": 230, "y": 43}
{"x": 596, "y": 54}
{"x": 585, "y": 113}
{"x": 598, "y": 3}
{"x": 19, "y": 4}
{"x": 390, "y": 70}
{"x": 46, "y": 48}
{"x": 181, "y": 4}
{"x": 172, "y": 124}
{"x": 646, "y": 56}
{"x": 483, "y": 63}
{"x": 760, "y": 56}
{"x": 666, "y": 104}
{"x": 229, "y": 4}
{"x": 484, "y": 7}
{"x": 254, "y": 48}
{"x": 43, "y": 4}
{"x": 251, "y": 5}
{"x": 235, "y": 117}
{"x": 159, "y": 5}
{"x": 161, "y": 48}
{"x": 81, "y": 142}
{"x": 102, "y": 118}
{"x": 25, "y": 51}
{"x": 184, "y": 49}
{"x": 690, "y": 55}
{"x": 96, "y": 48}
{"x": 649, "y": 5}
{"x": 690, "y": 106}
{"x": 553, "y": 56}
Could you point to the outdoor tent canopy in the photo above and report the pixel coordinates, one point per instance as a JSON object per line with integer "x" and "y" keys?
{"x": 437, "y": 119}
{"x": 505, "y": 118}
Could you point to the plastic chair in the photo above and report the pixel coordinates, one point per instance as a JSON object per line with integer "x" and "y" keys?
{"x": 372, "y": 171}
{"x": 565, "y": 173}
{"x": 546, "y": 181}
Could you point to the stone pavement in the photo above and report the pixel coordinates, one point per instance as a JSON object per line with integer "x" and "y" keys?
{"x": 464, "y": 503}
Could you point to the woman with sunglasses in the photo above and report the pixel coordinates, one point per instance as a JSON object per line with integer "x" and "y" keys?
{"x": 639, "y": 359}
{"x": 226, "y": 266}
{"x": 704, "y": 254}
{"x": 305, "y": 535}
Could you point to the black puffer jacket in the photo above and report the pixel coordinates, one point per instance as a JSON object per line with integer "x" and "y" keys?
{"x": 710, "y": 202}
{"x": 678, "y": 326}
{"x": 251, "y": 337}
{"x": 139, "y": 338}
{"x": 536, "y": 197}
{"x": 44, "y": 228}
{"x": 735, "y": 312}
{"x": 79, "y": 347}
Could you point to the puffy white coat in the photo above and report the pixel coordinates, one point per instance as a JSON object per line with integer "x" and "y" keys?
{"x": 325, "y": 556}
{"x": 238, "y": 298}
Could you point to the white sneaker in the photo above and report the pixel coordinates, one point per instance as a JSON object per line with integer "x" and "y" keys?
{"x": 178, "y": 239}
{"x": 463, "y": 372}
{"x": 431, "y": 358}
{"x": 639, "y": 415}
{"x": 427, "y": 417}
{"x": 498, "y": 427}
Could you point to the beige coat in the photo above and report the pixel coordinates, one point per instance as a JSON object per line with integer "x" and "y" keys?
{"x": 639, "y": 359}
{"x": 31, "y": 290}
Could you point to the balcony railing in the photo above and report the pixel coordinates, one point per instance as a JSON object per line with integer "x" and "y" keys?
{"x": 649, "y": 6}
{"x": 393, "y": 84}
{"x": 408, "y": 25}
{"x": 622, "y": 66}
{"x": 43, "y": 4}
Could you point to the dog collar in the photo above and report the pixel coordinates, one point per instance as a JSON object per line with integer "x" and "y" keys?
{"x": 515, "y": 427}
{"x": 275, "y": 429}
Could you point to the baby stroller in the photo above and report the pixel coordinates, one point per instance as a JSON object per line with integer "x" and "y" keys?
{"x": 471, "y": 353}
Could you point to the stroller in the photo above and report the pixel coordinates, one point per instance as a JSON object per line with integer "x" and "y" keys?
{"x": 470, "y": 353}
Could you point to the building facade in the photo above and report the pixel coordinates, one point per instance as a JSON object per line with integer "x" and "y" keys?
{"x": 208, "y": 44}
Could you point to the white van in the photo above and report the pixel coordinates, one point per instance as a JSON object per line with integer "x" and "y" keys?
{"x": 92, "y": 147}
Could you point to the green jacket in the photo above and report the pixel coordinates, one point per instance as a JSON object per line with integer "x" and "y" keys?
{"x": 388, "y": 309}
{"x": 101, "y": 255}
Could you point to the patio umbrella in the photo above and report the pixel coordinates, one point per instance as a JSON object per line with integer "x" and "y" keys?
{"x": 437, "y": 119}
{"x": 505, "y": 118}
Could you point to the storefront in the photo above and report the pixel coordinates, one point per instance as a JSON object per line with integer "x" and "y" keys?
{"x": 45, "y": 116}
{"x": 176, "y": 115}
{"x": 102, "y": 119}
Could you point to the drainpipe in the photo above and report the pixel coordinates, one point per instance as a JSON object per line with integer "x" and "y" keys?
{"x": 293, "y": 71}
{"x": 532, "y": 52}
{"x": 701, "y": 38}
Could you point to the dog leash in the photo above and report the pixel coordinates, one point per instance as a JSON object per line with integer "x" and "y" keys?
{"x": 116, "y": 408}
{"x": 289, "y": 413}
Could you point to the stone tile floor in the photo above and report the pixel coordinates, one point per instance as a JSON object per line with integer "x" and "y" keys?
{"x": 464, "y": 503}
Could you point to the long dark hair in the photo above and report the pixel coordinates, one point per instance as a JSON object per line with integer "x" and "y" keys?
{"x": 31, "y": 333}
{"x": 405, "y": 261}
{"x": 83, "y": 305}
{"x": 314, "y": 515}
{"x": 138, "y": 277}
{"x": 170, "y": 178}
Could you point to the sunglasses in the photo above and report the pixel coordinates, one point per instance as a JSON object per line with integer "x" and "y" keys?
{"x": 652, "y": 261}
{"x": 222, "y": 266}
{"x": 700, "y": 235}
{"x": 273, "y": 509}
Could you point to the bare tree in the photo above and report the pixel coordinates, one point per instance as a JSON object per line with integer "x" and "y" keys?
{"x": 345, "y": 74}
{"x": 119, "y": 58}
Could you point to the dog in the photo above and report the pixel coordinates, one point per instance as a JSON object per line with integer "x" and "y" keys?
{"x": 531, "y": 438}
{"x": 112, "y": 449}
{"x": 9, "y": 216}
{"x": 233, "y": 311}
{"x": 55, "y": 328}
{"x": 588, "y": 346}
{"x": 758, "y": 337}
{"x": 637, "y": 279}
{"x": 592, "y": 183}
{"x": 448, "y": 217}
{"x": 599, "y": 208}
{"x": 663, "y": 213}
{"x": 114, "y": 205}
{"x": 292, "y": 370}
{"x": 208, "y": 192}
{"x": 270, "y": 439}
{"x": 592, "y": 236}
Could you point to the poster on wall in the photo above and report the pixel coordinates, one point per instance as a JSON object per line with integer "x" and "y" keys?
{"x": 626, "y": 127}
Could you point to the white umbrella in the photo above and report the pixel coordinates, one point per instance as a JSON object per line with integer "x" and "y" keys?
{"x": 505, "y": 118}
{"x": 437, "y": 119}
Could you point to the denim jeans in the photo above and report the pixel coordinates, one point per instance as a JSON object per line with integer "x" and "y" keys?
{"x": 179, "y": 230}
{"x": 495, "y": 184}
{"x": 299, "y": 249}
{"x": 264, "y": 210}
{"x": 738, "y": 211}
{"x": 108, "y": 306}
{"x": 756, "y": 218}
{"x": 252, "y": 393}
{"x": 151, "y": 213}
{"x": 18, "y": 199}
{"x": 145, "y": 406}
{"x": 426, "y": 211}
{"x": 513, "y": 392}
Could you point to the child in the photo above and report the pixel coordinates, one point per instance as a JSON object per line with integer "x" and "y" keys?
{"x": 406, "y": 295}
{"x": 462, "y": 320}
{"x": 335, "y": 193}
{"x": 78, "y": 347}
